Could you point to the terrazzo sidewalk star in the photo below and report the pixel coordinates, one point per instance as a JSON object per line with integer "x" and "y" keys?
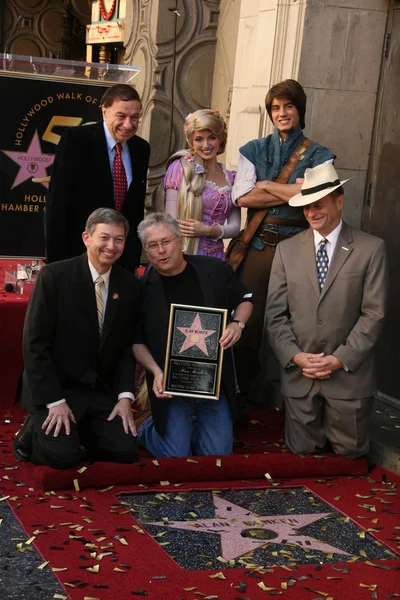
{"x": 246, "y": 531}
{"x": 251, "y": 528}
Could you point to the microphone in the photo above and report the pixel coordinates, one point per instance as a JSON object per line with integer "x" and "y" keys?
{"x": 13, "y": 30}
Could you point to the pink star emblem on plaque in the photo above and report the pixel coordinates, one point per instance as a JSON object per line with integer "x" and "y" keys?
{"x": 195, "y": 336}
{"x": 32, "y": 163}
{"x": 242, "y": 531}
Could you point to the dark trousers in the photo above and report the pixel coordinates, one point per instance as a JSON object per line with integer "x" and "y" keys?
{"x": 92, "y": 437}
{"x": 254, "y": 273}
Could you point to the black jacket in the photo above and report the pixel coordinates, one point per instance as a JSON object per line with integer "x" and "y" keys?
{"x": 61, "y": 341}
{"x": 81, "y": 182}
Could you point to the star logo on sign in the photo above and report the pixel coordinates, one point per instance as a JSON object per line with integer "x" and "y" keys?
{"x": 32, "y": 163}
{"x": 195, "y": 336}
{"x": 242, "y": 531}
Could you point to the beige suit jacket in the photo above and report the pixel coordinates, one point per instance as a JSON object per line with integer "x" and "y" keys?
{"x": 345, "y": 320}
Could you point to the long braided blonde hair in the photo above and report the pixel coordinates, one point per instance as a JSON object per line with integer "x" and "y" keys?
{"x": 195, "y": 169}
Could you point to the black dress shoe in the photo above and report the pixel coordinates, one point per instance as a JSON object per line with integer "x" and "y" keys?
{"x": 23, "y": 441}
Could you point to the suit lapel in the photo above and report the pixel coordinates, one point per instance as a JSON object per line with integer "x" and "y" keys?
{"x": 307, "y": 251}
{"x": 135, "y": 161}
{"x": 85, "y": 288}
{"x": 342, "y": 252}
{"x": 102, "y": 165}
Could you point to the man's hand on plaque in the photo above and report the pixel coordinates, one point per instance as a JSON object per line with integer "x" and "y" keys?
{"x": 231, "y": 335}
{"x": 158, "y": 385}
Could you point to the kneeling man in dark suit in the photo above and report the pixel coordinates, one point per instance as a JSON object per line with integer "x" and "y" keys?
{"x": 180, "y": 426}
{"x": 78, "y": 381}
{"x": 326, "y": 305}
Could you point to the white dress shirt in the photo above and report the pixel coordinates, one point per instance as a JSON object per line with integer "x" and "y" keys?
{"x": 104, "y": 288}
{"x": 104, "y": 293}
{"x": 330, "y": 246}
{"x": 332, "y": 238}
{"x": 125, "y": 155}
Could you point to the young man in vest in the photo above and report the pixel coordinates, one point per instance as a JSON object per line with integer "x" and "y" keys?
{"x": 261, "y": 162}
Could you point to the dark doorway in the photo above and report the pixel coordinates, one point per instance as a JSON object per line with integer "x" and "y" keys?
{"x": 382, "y": 212}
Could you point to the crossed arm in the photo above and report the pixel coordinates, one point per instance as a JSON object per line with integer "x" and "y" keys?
{"x": 250, "y": 193}
{"x": 269, "y": 193}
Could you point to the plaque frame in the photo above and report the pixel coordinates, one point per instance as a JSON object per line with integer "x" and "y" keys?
{"x": 179, "y": 313}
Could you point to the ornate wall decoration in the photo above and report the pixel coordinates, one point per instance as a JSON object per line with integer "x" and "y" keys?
{"x": 48, "y": 28}
{"x": 150, "y": 40}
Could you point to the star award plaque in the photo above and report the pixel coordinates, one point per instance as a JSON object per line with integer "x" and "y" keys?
{"x": 193, "y": 361}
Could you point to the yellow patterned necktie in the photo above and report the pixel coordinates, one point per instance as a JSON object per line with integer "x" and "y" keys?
{"x": 99, "y": 301}
{"x": 322, "y": 263}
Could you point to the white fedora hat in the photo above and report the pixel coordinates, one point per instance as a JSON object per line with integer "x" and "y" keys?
{"x": 318, "y": 182}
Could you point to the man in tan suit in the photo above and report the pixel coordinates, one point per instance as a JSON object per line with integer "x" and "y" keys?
{"x": 325, "y": 311}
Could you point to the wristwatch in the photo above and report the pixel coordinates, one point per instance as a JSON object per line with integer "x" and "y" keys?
{"x": 240, "y": 323}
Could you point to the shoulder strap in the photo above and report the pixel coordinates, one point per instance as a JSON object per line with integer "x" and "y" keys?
{"x": 283, "y": 178}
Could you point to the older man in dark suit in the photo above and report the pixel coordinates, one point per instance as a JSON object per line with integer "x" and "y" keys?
{"x": 99, "y": 165}
{"x": 189, "y": 280}
{"x": 326, "y": 305}
{"x": 78, "y": 382}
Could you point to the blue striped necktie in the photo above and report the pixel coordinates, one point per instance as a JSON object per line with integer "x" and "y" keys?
{"x": 322, "y": 263}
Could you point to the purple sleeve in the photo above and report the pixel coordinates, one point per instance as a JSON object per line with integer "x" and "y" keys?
{"x": 173, "y": 176}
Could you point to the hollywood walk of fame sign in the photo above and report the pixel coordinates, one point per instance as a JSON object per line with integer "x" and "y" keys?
{"x": 193, "y": 361}
{"x": 36, "y": 111}
{"x": 251, "y": 528}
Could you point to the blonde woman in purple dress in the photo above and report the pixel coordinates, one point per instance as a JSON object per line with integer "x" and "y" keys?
{"x": 198, "y": 187}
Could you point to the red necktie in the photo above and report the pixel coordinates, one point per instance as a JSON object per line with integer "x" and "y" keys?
{"x": 119, "y": 176}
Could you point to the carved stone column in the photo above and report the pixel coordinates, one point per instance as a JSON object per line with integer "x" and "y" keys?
{"x": 149, "y": 42}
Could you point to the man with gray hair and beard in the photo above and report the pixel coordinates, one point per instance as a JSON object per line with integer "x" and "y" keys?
{"x": 180, "y": 426}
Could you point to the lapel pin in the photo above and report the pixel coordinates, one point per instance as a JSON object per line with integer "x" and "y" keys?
{"x": 344, "y": 248}
{"x": 115, "y": 296}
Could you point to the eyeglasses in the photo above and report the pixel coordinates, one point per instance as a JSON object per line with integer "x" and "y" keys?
{"x": 164, "y": 244}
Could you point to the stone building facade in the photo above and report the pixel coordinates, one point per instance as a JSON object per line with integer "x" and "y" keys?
{"x": 226, "y": 54}
{"x": 334, "y": 48}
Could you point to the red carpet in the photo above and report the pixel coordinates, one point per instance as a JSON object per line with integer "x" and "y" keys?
{"x": 202, "y": 468}
{"x": 259, "y": 452}
{"x": 91, "y": 529}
